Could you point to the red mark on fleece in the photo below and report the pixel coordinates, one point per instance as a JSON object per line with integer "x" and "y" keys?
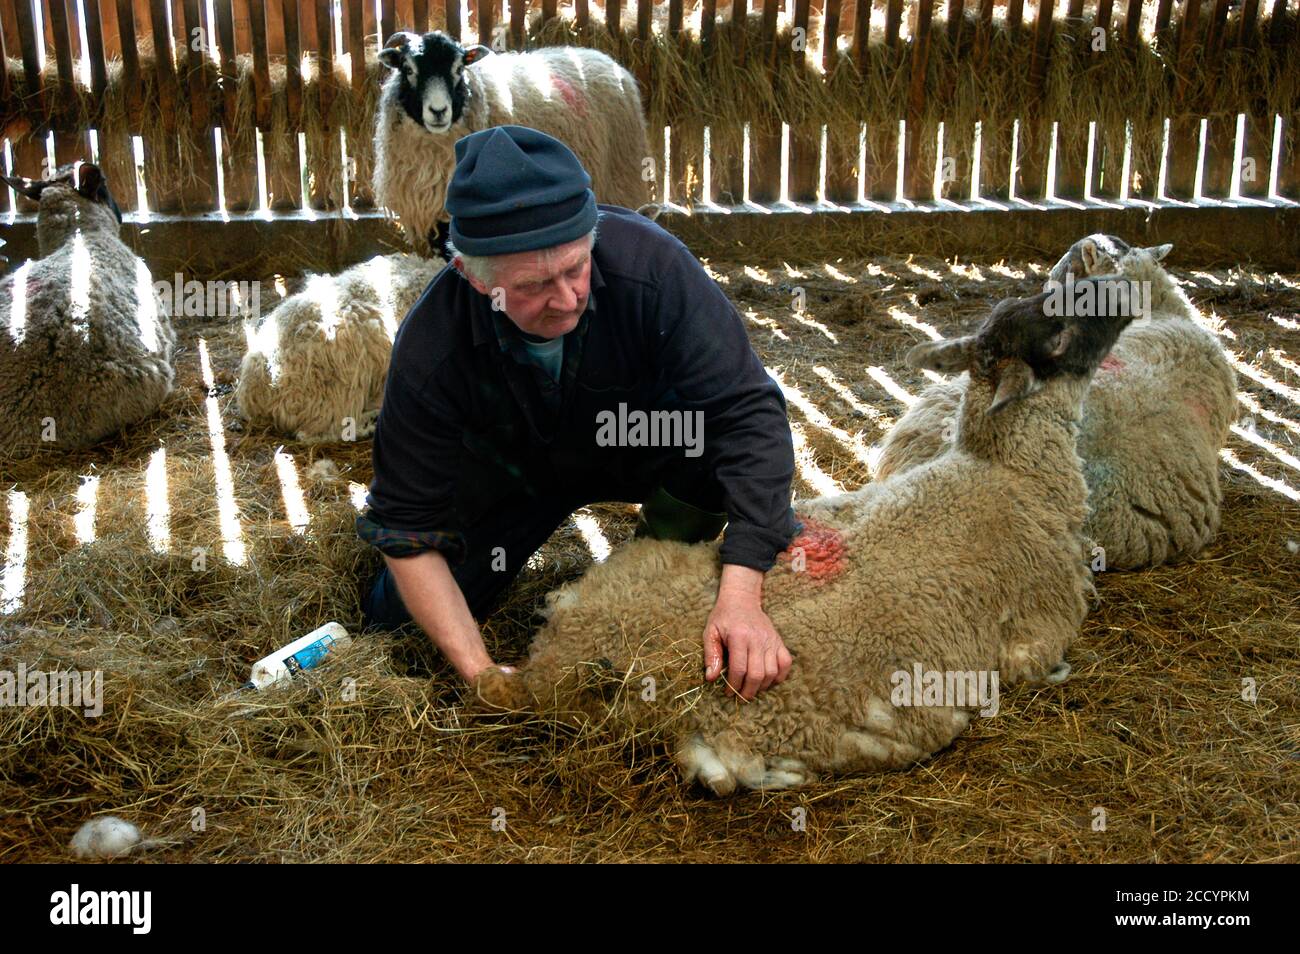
{"x": 817, "y": 552}
{"x": 1112, "y": 363}
{"x": 1199, "y": 409}
{"x": 572, "y": 97}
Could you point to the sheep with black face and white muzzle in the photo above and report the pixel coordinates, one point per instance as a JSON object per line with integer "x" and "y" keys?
{"x": 1156, "y": 418}
{"x": 972, "y": 563}
{"x": 440, "y": 91}
{"x": 89, "y": 346}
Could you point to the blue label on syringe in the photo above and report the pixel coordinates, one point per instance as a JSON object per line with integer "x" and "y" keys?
{"x": 309, "y": 656}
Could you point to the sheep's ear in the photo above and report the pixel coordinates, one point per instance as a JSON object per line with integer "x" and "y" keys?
{"x": 1016, "y": 381}
{"x": 31, "y": 188}
{"x": 396, "y": 50}
{"x": 89, "y": 179}
{"x": 949, "y": 357}
{"x": 1158, "y": 252}
{"x": 1090, "y": 255}
{"x": 1060, "y": 342}
{"x": 475, "y": 53}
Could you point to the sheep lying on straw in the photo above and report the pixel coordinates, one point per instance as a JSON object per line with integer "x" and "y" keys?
{"x": 971, "y": 564}
{"x": 316, "y": 365}
{"x": 1156, "y": 418}
{"x": 439, "y": 92}
{"x": 89, "y": 347}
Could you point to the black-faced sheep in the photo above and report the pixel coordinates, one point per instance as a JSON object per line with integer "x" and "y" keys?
{"x": 440, "y": 91}
{"x": 89, "y": 346}
{"x": 972, "y": 563}
{"x": 316, "y": 364}
{"x": 1156, "y": 418}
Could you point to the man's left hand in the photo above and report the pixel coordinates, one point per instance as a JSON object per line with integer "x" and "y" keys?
{"x": 756, "y": 657}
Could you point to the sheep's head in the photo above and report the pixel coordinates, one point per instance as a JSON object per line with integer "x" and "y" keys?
{"x": 1102, "y": 254}
{"x": 1027, "y": 343}
{"x": 82, "y": 182}
{"x": 430, "y": 73}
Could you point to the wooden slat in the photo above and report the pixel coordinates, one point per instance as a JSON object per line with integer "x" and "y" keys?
{"x": 519, "y": 22}
{"x": 117, "y": 160}
{"x": 955, "y": 10}
{"x": 9, "y": 28}
{"x": 371, "y": 25}
{"x": 229, "y": 76}
{"x": 387, "y": 20}
{"x": 283, "y": 175}
{"x": 841, "y": 138}
{"x": 674, "y": 16}
{"x": 1184, "y": 124}
{"x": 728, "y": 172}
{"x": 1132, "y": 21}
{"x": 1248, "y": 24}
{"x": 1015, "y": 12}
{"x": 420, "y": 13}
{"x": 1256, "y": 155}
{"x": 355, "y": 37}
{"x": 243, "y": 27}
{"x": 739, "y": 17}
{"x": 1164, "y": 10}
{"x": 261, "y": 64}
{"x": 325, "y": 86}
{"x": 1105, "y": 9}
{"x": 196, "y": 68}
{"x": 126, "y": 26}
{"x": 485, "y": 21}
{"x": 403, "y": 16}
{"x": 56, "y": 14}
{"x": 5, "y": 94}
{"x": 293, "y": 61}
{"x": 1036, "y": 128}
{"x": 452, "y": 8}
{"x": 708, "y": 13}
{"x": 882, "y": 138}
{"x": 168, "y": 93}
{"x": 805, "y": 138}
{"x": 29, "y": 42}
{"x": 1221, "y": 131}
{"x": 918, "y": 171}
{"x": 96, "y": 25}
{"x": 862, "y": 32}
{"x": 582, "y": 16}
{"x": 765, "y": 131}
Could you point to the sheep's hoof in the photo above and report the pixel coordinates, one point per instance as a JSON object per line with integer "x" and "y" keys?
{"x": 501, "y": 687}
{"x": 700, "y": 763}
{"x": 1060, "y": 672}
{"x": 784, "y": 773}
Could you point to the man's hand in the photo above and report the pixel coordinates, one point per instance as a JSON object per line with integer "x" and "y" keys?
{"x": 756, "y": 657}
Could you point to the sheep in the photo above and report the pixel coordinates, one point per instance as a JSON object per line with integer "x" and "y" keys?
{"x": 316, "y": 364}
{"x": 972, "y": 563}
{"x": 89, "y": 347}
{"x": 440, "y": 91}
{"x": 1156, "y": 419}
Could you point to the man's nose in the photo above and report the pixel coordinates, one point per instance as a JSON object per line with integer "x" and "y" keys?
{"x": 566, "y": 295}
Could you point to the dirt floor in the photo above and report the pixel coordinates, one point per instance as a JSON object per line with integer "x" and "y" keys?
{"x": 1148, "y": 753}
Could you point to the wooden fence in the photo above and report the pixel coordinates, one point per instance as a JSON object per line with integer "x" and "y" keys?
{"x": 269, "y": 103}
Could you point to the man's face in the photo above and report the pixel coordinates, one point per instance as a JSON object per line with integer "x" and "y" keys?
{"x": 545, "y": 291}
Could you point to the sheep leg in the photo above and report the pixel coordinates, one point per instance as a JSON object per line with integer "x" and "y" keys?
{"x": 723, "y": 762}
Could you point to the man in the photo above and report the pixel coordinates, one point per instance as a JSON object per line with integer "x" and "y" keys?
{"x": 519, "y": 390}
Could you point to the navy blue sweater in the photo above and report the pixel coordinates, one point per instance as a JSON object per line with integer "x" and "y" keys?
{"x": 465, "y": 429}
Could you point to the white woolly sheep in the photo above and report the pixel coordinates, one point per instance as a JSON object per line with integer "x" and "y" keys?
{"x": 1157, "y": 416}
{"x": 320, "y": 357}
{"x": 440, "y": 91}
{"x": 902, "y": 573}
{"x": 89, "y": 347}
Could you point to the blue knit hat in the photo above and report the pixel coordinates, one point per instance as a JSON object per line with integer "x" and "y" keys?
{"x": 516, "y": 189}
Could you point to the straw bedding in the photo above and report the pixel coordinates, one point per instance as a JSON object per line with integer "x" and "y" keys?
{"x": 377, "y": 757}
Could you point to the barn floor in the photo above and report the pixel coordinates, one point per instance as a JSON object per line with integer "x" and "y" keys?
{"x": 1148, "y": 753}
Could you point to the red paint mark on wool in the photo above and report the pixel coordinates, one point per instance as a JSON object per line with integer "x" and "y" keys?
{"x": 1199, "y": 409}
{"x": 1112, "y": 363}
{"x": 572, "y": 97}
{"x": 817, "y": 552}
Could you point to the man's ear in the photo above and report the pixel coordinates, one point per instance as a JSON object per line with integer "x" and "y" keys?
{"x": 1015, "y": 381}
{"x": 950, "y": 357}
{"x": 1158, "y": 252}
{"x": 476, "y": 52}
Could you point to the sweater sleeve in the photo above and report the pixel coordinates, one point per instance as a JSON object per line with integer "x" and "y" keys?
{"x": 710, "y": 366}
{"x": 416, "y": 454}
